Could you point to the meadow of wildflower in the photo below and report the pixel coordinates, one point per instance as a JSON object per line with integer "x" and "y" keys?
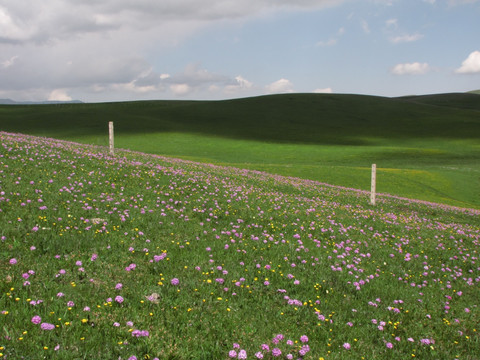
{"x": 138, "y": 256}
{"x": 425, "y": 147}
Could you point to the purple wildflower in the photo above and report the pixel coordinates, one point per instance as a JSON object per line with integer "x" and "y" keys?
{"x": 304, "y": 350}
{"x": 175, "y": 281}
{"x": 130, "y": 267}
{"x": 36, "y": 319}
{"x": 427, "y": 341}
{"x": 47, "y": 326}
{"x": 276, "y": 352}
{"x": 140, "y": 333}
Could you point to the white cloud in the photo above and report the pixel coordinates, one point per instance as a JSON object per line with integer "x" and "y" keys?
{"x": 10, "y": 29}
{"x": 196, "y": 79}
{"x": 133, "y": 87}
{"x": 471, "y": 65}
{"x": 415, "y": 68}
{"x": 196, "y": 76}
{"x": 333, "y": 40}
{"x": 180, "y": 89}
{"x": 31, "y": 20}
{"x": 238, "y": 84}
{"x": 329, "y": 42}
{"x": 280, "y": 86}
{"x": 392, "y": 23}
{"x": 103, "y": 48}
{"x": 365, "y": 27}
{"x": 406, "y": 38}
{"x": 9, "y": 62}
{"x": 461, "y": 2}
{"x": 323, "y": 91}
{"x": 59, "y": 95}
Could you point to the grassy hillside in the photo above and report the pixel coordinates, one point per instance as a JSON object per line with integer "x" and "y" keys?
{"x": 137, "y": 256}
{"x": 298, "y": 118}
{"x": 424, "y": 147}
{"x": 455, "y": 100}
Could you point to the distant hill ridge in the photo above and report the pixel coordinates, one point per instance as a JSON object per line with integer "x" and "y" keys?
{"x": 12, "y": 102}
{"x": 470, "y": 100}
{"x": 308, "y": 118}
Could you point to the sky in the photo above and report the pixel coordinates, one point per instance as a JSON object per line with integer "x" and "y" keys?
{"x": 123, "y": 50}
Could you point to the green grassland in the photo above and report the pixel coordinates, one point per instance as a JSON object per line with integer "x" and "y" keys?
{"x": 425, "y": 147}
{"x": 145, "y": 257}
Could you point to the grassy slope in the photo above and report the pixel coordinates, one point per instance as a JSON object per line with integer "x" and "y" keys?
{"x": 425, "y": 147}
{"x": 253, "y": 256}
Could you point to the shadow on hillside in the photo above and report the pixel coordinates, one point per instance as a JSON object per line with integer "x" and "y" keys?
{"x": 293, "y": 118}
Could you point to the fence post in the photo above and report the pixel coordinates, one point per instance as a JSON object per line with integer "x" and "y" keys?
{"x": 374, "y": 180}
{"x": 110, "y": 133}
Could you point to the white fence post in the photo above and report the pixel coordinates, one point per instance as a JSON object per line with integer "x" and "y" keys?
{"x": 374, "y": 180}
{"x": 110, "y": 133}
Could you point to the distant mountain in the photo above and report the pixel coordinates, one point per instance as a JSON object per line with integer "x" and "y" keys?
{"x": 7, "y": 102}
{"x": 12, "y": 102}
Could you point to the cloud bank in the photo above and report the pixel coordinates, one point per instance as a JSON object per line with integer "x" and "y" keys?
{"x": 471, "y": 65}
{"x": 100, "y": 46}
{"x": 280, "y": 86}
{"x": 415, "y": 68}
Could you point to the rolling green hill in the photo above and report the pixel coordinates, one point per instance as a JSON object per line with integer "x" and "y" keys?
{"x": 425, "y": 147}
{"x": 299, "y": 118}
{"x": 454, "y": 100}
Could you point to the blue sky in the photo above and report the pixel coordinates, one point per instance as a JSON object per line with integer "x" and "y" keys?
{"x": 115, "y": 50}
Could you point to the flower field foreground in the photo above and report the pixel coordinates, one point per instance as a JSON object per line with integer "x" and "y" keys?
{"x": 143, "y": 257}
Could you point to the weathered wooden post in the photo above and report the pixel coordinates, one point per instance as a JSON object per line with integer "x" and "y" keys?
{"x": 110, "y": 132}
{"x": 374, "y": 180}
